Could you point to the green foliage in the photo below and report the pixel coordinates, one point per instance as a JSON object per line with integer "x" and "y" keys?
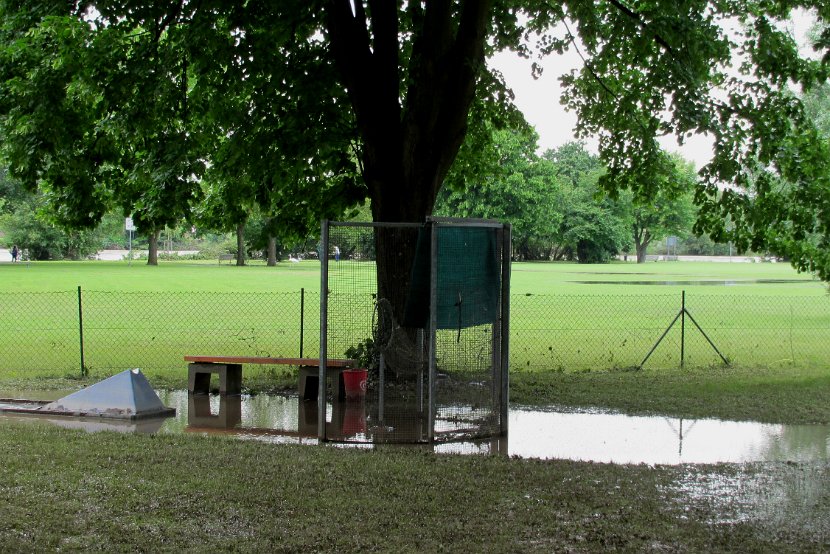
{"x": 596, "y": 237}
{"x": 590, "y": 230}
{"x": 658, "y": 68}
{"x": 553, "y": 202}
{"x": 669, "y": 211}
{"x": 514, "y": 185}
{"x": 41, "y": 240}
{"x": 702, "y": 246}
{"x": 29, "y": 225}
{"x": 365, "y": 354}
{"x": 304, "y": 108}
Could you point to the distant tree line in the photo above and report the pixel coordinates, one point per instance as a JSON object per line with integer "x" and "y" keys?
{"x": 556, "y": 205}
{"x": 553, "y": 200}
{"x": 27, "y": 220}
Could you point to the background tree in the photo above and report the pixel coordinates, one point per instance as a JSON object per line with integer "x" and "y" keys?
{"x": 27, "y": 223}
{"x": 591, "y": 229}
{"x": 669, "y": 212}
{"x": 508, "y": 182}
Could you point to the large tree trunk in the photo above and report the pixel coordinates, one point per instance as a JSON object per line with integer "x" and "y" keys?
{"x": 642, "y": 238}
{"x": 272, "y": 250}
{"x": 641, "y": 253}
{"x": 240, "y": 244}
{"x": 153, "y": 251}
{"x": 408, "y": 147}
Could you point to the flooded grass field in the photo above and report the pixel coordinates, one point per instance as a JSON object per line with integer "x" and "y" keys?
{"x": 544, "y": 433}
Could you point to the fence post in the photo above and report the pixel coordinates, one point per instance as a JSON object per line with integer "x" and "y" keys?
{"x": 683, "y": 329}
{"x": 302, "y": 318}
{"x": 81, "y": 331}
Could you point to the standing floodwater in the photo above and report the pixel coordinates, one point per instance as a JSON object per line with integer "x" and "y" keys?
{"x": 534, "y": 432}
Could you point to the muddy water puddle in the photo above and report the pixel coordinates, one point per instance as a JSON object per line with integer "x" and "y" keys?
{"x": 533, "y": 432}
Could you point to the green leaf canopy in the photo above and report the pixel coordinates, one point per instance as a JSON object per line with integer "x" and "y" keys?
{"x": 307, "y": 107}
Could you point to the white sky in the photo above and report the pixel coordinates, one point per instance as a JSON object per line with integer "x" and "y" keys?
{"x": 538, "y": 99}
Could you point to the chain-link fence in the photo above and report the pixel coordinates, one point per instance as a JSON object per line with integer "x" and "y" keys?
{"x": 582, "y": 332}
{"x": 106, "y": 332}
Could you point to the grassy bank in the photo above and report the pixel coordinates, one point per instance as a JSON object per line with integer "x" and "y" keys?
{"x": 782, "y": 395}
{"x": 73, "y": 491}
{"x": 788, "y": 395}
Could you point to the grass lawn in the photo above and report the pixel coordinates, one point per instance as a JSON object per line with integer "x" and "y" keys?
{"x": 74, "y": 491}
{"x": 792, "y": 396}
{"x": 527, "y": 278}
{"x": 79, "y": 492}
{"x": 166, "y": 277}
{"x": 697, "y": 278}
{"x": 572, "y": 343}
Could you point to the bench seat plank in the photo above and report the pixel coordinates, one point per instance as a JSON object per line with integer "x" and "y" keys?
{"x": 229, "y": 370}
{"x": 266, "y": 360}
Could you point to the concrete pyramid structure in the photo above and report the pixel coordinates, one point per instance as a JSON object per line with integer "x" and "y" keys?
{"x": 126, "y": 395}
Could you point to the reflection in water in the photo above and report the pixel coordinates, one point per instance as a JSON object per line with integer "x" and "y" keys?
{"x": 533, "y": 433}
{"x": 227, "y": 416}
{"x": 274, "y": 417}
{"x": 657, "y": 440}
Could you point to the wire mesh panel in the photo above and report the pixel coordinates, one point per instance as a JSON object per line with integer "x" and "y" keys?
{"x": 39, "y": 331}
{"x": 423, "y": 307}
{"x": 154, "y": 330}
{"x": 578, "y": 332}
{"x": 765, "y": 330}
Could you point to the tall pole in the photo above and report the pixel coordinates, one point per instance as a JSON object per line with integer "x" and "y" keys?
{"x": 324, "y": 297}
{"x": 507, "y": 255}
{"x": 433, "y": 326}
{"x": 81, "y": 332}
{"x": 302, "y": 318}
{"x": 683, "y": 329}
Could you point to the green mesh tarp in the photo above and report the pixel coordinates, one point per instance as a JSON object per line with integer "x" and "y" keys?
{"x": 469, "y": 278}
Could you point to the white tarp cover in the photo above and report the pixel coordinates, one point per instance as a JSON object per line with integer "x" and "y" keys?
{"x": 127, "y": 394}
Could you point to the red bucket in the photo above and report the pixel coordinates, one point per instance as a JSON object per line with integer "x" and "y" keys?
{"x": 354, "y": 381}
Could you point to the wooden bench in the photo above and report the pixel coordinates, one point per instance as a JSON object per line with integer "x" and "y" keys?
{"x": 229, "y": 370}
{"x": 226, "y": 257}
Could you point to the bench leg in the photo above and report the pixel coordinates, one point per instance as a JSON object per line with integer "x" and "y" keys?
{"x": 230, "y": 378}
{"x": 233, "y": 380}
{"x": 309, "y": 381}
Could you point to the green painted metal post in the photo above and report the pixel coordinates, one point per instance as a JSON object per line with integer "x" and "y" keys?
{"x": 302, "y": 318}
{"x": 81, "y": 331}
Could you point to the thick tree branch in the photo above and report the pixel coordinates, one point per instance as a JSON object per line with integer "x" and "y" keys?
{"x": 168, "y": 20}
{"x": 466, "y": 64}
{"x": 385, "y": 53}
{"x": 445, "y": 68}
{"x": 351, "y": 51}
